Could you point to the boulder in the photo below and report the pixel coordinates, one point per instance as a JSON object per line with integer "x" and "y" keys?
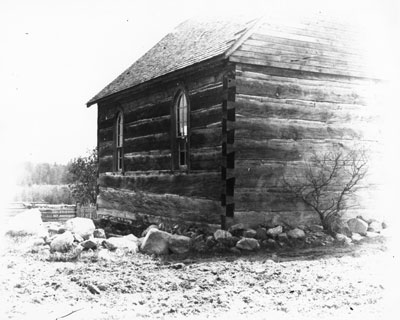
{"x": 155, "y": 242}
{"x": 343, "y": 239}
{"x": 62, "y": 242}
{"x": 248, "y": 244}
{"x": 283, "y": 237}
{"x": 250, "y": 233}
{"x": 128, "y": 243}
{"x": 358, "y": 226}
{"x": 316, "y": 228}
{"x": 99, "y": 233}
{"x": 370, "y": 234}
{"x": 78, "y": 238}
{"x": 153, "y": 226}
{"x": 375, "y": 226}
{"x": 261, "y": 233}
{"x": 28, "y": 222}
{"x": 273, "y": 232}
{"x": 89, "y": 244}
{"x": 356, "y": 237}
{"x": 179, "y": 244}
{"x": 222, "y": 236}
{"x": 81, "y": 226}
{"x": 296, "y": 233}
{"x": 237, "y": 229}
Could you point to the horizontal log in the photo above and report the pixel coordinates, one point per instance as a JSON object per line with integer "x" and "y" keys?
{"x": 166, "y": 206}
{"x": 292, "y": 219}
{"x": 206, "y": 137}
{"x": 105, "y": 148}
{"x": 298, "y": 60}
{"x": 147, "y": 127}
{"x": 287, "y": 75}
{"x": 161, "y": 141}
{"x": 300, "y": 91}
{"x": 265, "y": 107}
{"x": 281, "y": 48}
{"x": 205, "y": 117}
{"x": 331, "y": 71}
{"x": 277, "y": 75}
{"x": 271, "y": 36}
{"x": 199, "y": 185}
{"x": 289, "y": 150}
{"x": 106, "y": 164}
{"x": 271, "y": 174}
{"x": 206, "y": 99}
{"x": 146, "y": 162}
{"x": 148, "y": 111}
{"x": 205, "y": 159}
{"x": 275, "y": 128}
{"x": 146, "y": 219}
{"x": 105, "y": 135}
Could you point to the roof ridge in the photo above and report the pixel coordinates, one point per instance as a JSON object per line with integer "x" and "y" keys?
{"x": 243, "y": 37}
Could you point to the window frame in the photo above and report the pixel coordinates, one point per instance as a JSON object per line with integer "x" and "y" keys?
{"x": 119, "y": 142}
{"x": 181, "y": 131}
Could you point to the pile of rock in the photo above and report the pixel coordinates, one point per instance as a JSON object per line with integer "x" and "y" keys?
{"x": 79, "y": 234}
{"x": 356, "y": 229}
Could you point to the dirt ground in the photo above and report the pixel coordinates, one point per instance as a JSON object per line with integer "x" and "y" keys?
{"x": 329, "y": 282}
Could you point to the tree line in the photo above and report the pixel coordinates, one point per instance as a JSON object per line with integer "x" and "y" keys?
{"x": 78, "y": 177}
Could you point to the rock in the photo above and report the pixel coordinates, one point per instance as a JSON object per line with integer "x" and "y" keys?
{"x": 343, "y": 239}
{"x": 55, "y": 228}
{"x": 179, "y": 244}
{"x": 358, "y": 226}
{"x": 99, "y": 233}
{"x": 78, "y": 238}
{"x": 235, "y": 250}
{"x": 28, "y": 222}
{"x": 356, "y": 237}
{"x": 296, "y": 233}
{"x": 316, "y": 228}
{"x": 237, "y": 229}
{"x": 156, "y": 242}
{"x": 384, "y": 225}
{"x": 375, "y": 226}
{"x": 200, "y": 246}
{"x": 210, "y": 241}
{"x": 153, "y": 226}
{"x": 273, "y": 232}
{"x": 370, "y": 234}
{"x": 261, "y": 233}
{"x": 283, "y": 237}
{"x": 249, "y": 244}
{"x": 81, "y": 226}
{"x": 222, "y": 235}
{"x": 93, "y": 289}
{"x": 128, "y": 243}
{"x": 62, "y": 242}
{"x": 250, "y": 233}
{"x": 89, "y": 244}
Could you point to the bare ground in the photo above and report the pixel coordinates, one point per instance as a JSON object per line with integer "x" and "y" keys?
{"x": 326, "y": 283}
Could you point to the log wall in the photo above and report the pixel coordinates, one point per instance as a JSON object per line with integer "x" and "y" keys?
{"x": 150, "y": 189}
{"x": 298, "y": 92}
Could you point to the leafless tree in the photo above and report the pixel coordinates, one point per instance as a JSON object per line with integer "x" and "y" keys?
{"x": 327, "y": 182}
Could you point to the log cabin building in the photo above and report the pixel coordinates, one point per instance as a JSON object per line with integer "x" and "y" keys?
{"x": 201, "y": 129}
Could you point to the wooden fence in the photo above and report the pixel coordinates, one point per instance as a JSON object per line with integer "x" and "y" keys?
{"x": 56, "y": 212}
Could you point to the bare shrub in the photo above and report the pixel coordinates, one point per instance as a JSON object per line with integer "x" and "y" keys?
{"x": 327, "y": 182}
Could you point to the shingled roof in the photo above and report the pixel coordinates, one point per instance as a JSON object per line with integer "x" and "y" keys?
{"x": 193, "y": 41}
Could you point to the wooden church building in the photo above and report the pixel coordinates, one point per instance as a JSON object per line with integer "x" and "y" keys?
{"x": 201, "y": 129}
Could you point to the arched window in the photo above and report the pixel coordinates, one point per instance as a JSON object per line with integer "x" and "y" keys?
{"x": 119, "y": 142}
{"x": 181, "y": 116}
